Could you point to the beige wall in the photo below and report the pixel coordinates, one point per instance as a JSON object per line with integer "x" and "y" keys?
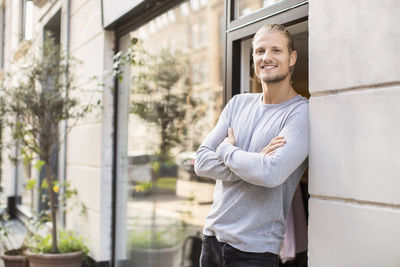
{"x": 354, "y": 117}
{"x": 89, "y": 149}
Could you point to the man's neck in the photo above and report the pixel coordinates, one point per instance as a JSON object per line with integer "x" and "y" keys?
{"x": 277, "y": 92}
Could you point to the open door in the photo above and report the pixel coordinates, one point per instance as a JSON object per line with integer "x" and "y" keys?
{"x": 249, "y": 83}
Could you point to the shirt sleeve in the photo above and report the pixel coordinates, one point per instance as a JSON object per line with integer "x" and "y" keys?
{"x": 271, "y": 171}
{"x": 207, "y": 163}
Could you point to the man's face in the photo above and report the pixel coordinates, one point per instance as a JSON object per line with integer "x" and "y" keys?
{"x": 272, "y": 58}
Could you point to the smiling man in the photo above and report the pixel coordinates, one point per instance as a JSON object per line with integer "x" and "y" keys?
{"x": 257, "y": 154}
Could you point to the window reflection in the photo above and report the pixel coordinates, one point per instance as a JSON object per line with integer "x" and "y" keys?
{"x": 168, "y": 104}
{"x": 245, "y": 7}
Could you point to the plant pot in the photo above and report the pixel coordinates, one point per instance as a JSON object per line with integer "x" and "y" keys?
{"x": 73, "y": 259}
{"x": 14, "y": 258}
{"x": 165, "y": 257}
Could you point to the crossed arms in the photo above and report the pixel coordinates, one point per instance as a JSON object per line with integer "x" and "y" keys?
{"x": 220, "y": 159}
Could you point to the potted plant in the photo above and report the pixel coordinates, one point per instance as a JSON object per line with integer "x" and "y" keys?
{"x": 35, "y": 99}
{"x": 72, "y": 250}
{"x": 12, "y": 257}
{"x": 156, "y": 246}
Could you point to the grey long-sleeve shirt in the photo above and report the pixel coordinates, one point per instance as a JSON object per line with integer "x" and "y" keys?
{"x": 253, "y": 191}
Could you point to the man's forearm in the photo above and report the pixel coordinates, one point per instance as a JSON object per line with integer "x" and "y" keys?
{"x": 207, "y": 164}
{"x": 257, "y": 168}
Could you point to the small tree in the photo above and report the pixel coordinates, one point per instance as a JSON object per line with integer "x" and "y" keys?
{"x": 35, "y": 99}
{"x": 160, "y": 96}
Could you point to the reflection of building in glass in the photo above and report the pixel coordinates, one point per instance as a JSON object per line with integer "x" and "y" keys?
{"x": 245, "y": 7}
{"x": 194, "y": 29}
{"x": 160, "y": 193}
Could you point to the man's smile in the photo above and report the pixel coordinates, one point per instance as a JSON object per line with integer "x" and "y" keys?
{"x": 268, "y": 67}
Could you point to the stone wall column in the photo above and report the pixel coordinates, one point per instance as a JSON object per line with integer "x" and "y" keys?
{"x": 355, "y": 124}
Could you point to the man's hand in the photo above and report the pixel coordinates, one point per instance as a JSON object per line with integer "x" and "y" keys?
{"x": 231, "y": 137}
{"x": 273, "y": 145}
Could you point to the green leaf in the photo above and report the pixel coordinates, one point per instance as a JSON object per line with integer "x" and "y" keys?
{"x": 45, "y": 185}
{"x": 38, "y": 165}
{"x": 30, "y": 184}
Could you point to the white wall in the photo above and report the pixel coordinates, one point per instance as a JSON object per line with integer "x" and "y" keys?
{"x": 354, "y": 117}
{"x": 89, "y": 149}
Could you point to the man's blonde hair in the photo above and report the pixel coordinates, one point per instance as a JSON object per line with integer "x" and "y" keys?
{"x": 277, "y": 28}
{"x": 271, "y": 27}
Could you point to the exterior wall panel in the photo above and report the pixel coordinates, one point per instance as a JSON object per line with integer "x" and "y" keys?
{"x": 354, "y": 169}
{"x": 89, "y": 142}
{"x": 90, "y": 225}
{"x": 353, "y": 43}
{"x": 114, "y": 9}
{"x": 87, "y": 181}
{"x": 348, "y": 235}
{"x": 84, "y": 146}
{"x": 85, "y": 24}
{"x": 355, "y": 145}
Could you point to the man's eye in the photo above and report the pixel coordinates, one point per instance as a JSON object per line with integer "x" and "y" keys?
{"x": 260, "y": 52}
{"x": 277, "y": 50}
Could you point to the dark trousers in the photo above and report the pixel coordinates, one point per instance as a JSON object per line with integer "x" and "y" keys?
{"x": 217, "y": 254}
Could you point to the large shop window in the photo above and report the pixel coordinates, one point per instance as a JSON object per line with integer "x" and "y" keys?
{"x": 168, "y": 101}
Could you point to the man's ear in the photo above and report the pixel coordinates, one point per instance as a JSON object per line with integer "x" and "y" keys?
{"x": 292, "y": 58}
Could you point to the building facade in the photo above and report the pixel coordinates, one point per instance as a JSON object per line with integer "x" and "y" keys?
{"x": 138, "y": 197}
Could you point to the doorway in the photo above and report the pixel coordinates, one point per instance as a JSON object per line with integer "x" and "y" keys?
{"x": 249, "y": 83}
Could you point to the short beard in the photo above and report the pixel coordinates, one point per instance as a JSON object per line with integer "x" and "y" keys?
{"x": 276, "y": 79}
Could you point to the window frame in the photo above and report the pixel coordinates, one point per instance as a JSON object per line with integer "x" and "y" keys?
{"x": 259, "y": 14}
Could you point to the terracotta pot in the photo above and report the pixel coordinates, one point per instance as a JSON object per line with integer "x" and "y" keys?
{"x": 12, "y": 259}
{"x": 73, "y": 259}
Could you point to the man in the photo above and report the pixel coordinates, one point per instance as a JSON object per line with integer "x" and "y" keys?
{"x": 257, "y": 154}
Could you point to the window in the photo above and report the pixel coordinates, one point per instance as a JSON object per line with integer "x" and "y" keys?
{"x": 245, "y": 7}
{"x": 2, "y": 34}
{"x": 36, "y": 200}
{"x": 27, "y": 20}
{"x": 166, "y": 107}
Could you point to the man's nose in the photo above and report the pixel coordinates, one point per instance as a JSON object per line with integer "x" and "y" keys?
{"x": 267, "y": 56}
